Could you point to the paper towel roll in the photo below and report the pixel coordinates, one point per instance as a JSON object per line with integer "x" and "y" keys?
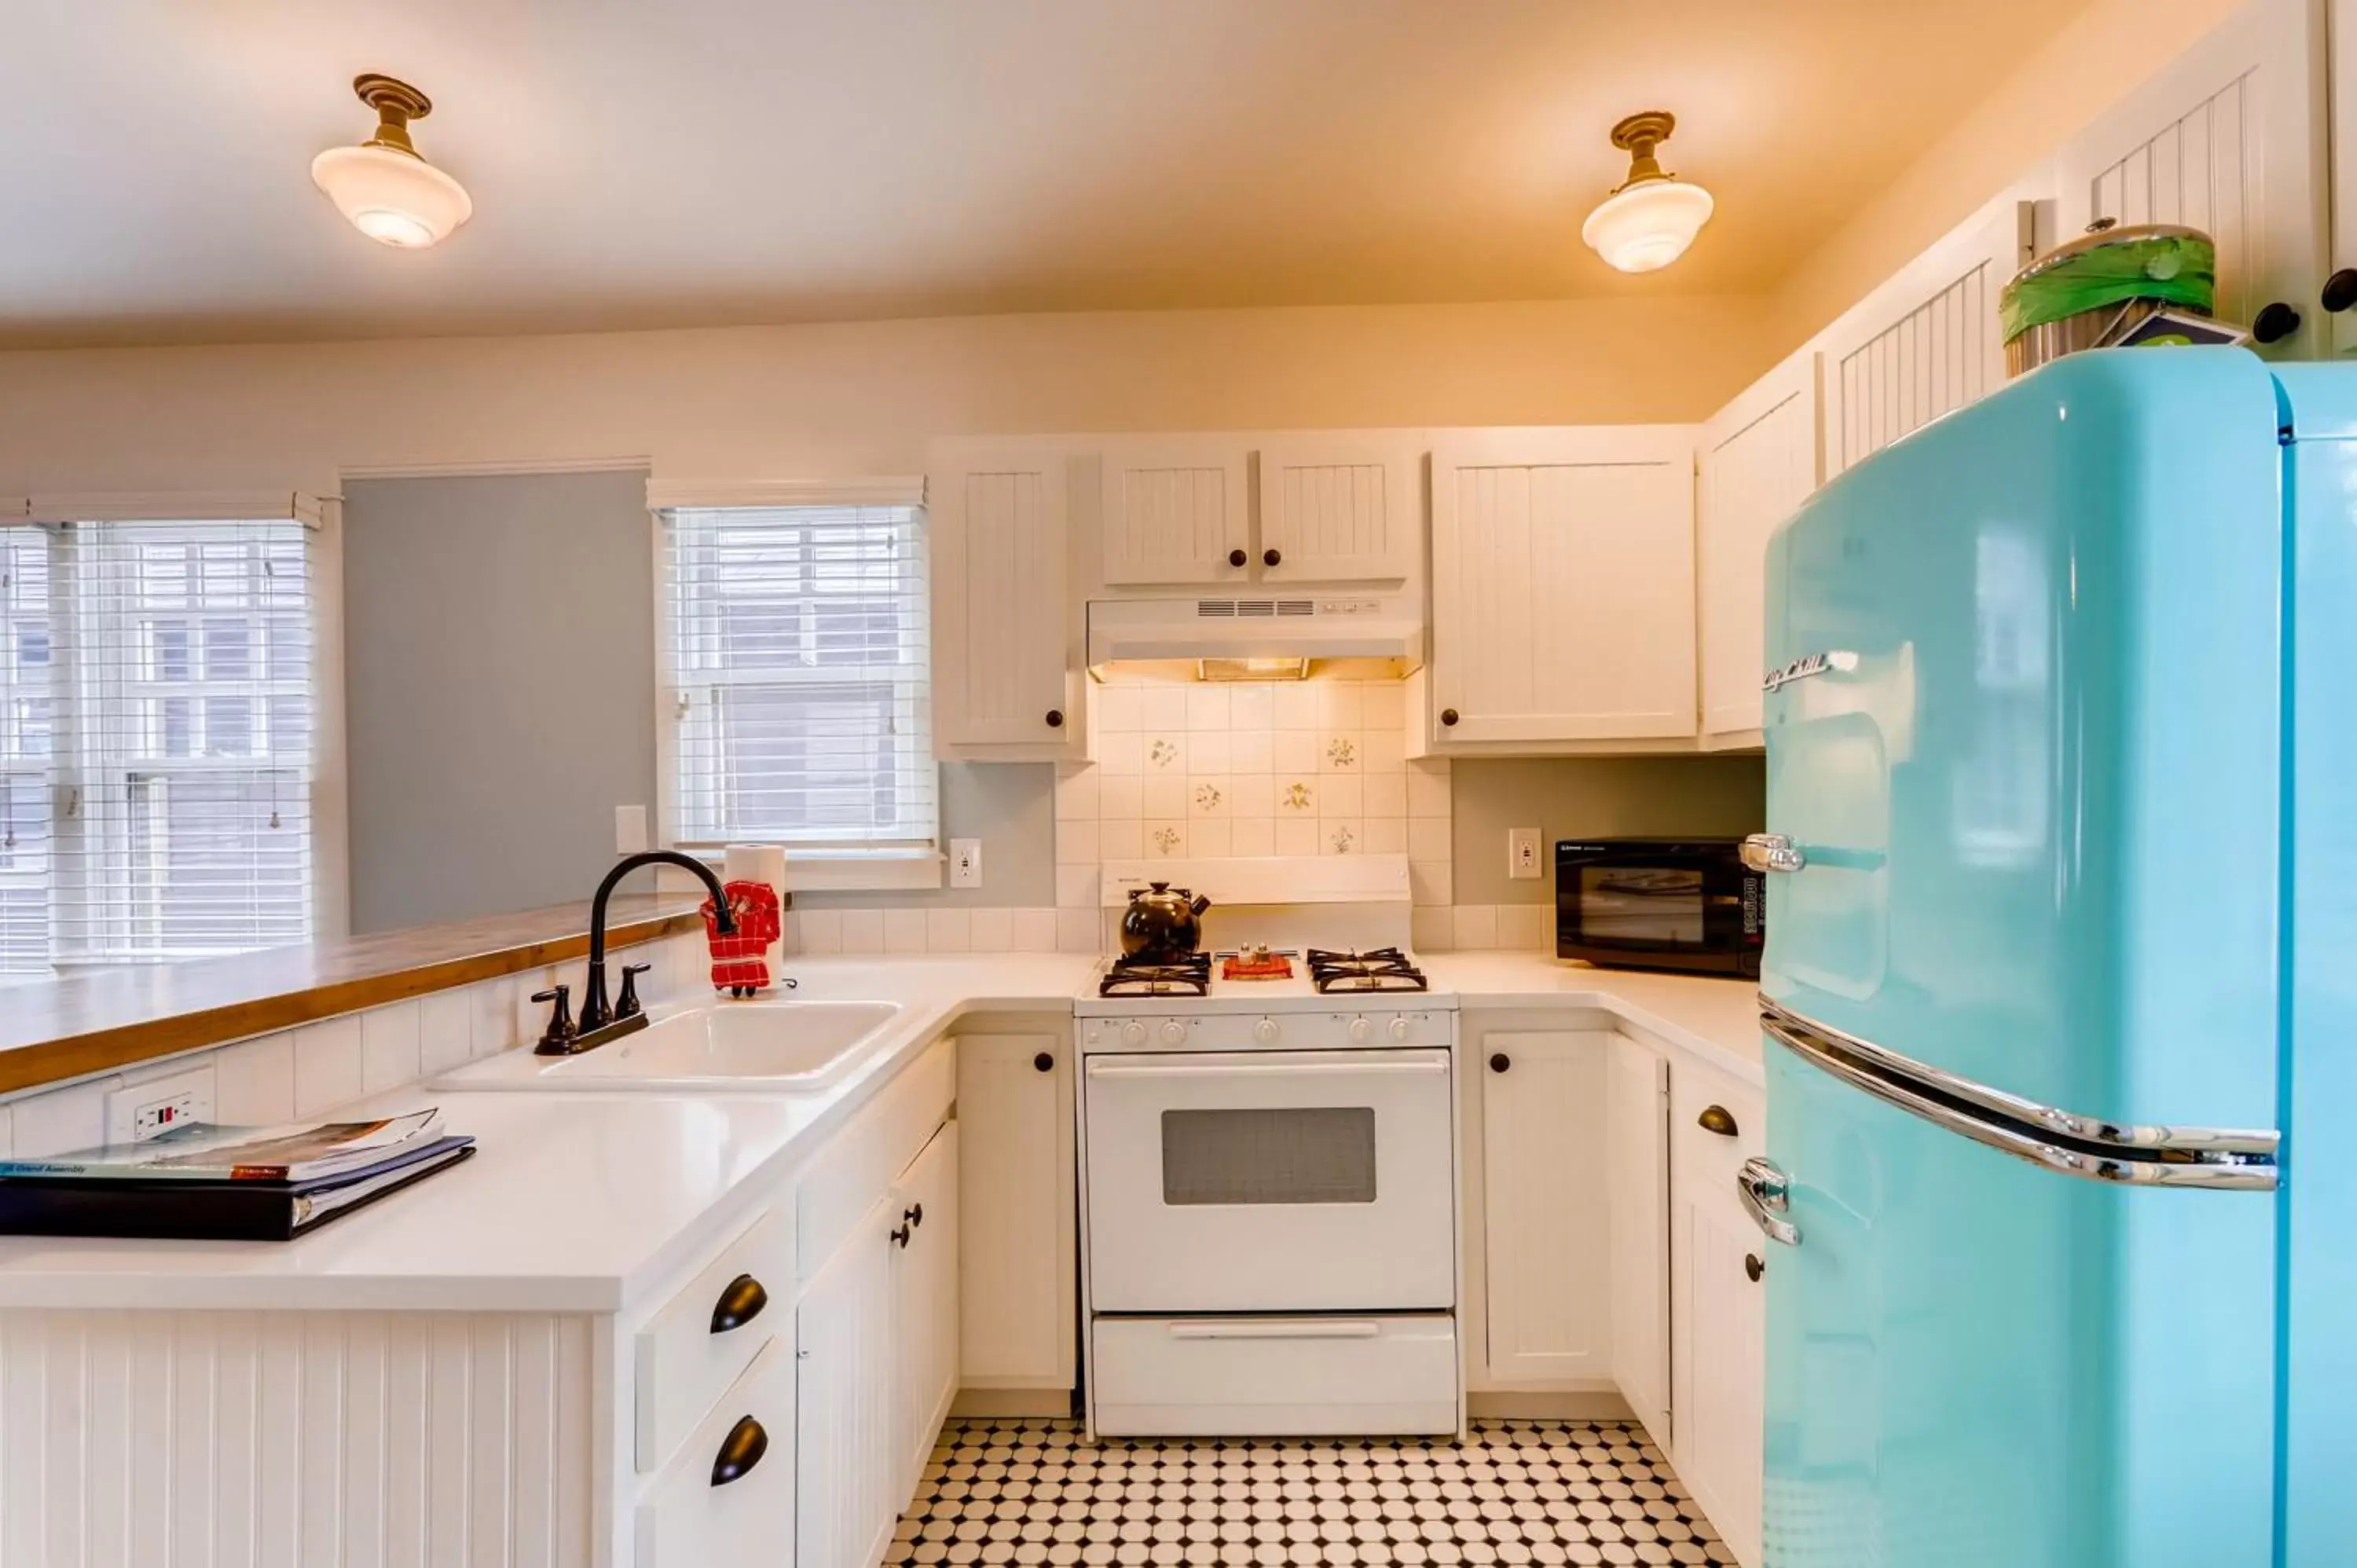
{"x": 765, "y": 864}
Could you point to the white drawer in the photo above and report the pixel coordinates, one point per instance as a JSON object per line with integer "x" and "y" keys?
{"x": 1700, "y": 1153}
{"x": 1367, "y": 1374}
{"x": 686, "y": 1354}
{"x": 688, "y": 1518}
{"x": 858, "y": 1163}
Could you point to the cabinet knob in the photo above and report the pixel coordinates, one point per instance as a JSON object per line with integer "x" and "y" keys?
{"x": 1753, "y": 1266}
{"x": 1237, "y": 557}
{"x": 1272, "y": 557}
{"x": 2275, "y": 322}
{"x": 1500, "y": 1061}
{"x": 900, "y": 1234}
{"x": 1043, "y": 1062}
{"x": 2340, "y": 290}
{"x": 739, "y": 1452}
{"x": 914, "y": 1213}
{"x": 1055, "y": 718}
{"x": 1448, "y": 717}
{"x": 739, "y": 1305}
{"x": 1715, "y": 1119}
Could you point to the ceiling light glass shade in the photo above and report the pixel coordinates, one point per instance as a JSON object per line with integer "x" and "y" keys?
{"x": 394, "y": 198}
{"x": 1644, "y": 227}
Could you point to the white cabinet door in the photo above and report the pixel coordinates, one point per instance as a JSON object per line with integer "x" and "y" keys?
{"x": 1759, "y": 458}
{"x": 1720, "y": 1360}
{"x": 2226, "y": 140}
{"x": 1926, "y": 342}
{"x": 1546, "y": 1230}
{"x": 1004, "y": 664}
{"x": 846, "y": 1415}
{"x": 1335, "y": 511}
{"x": 1015, "y": 1183}
{"x": 1637, "y": 1157}
{"x": 1176, "y": 512}
{"x": 1562, "y": 584}
{"x": 924, "y": 1305}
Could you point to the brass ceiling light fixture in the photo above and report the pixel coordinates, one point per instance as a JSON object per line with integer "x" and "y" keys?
{"x": 384, "y": 186}
{"x": 1652, "y": 216}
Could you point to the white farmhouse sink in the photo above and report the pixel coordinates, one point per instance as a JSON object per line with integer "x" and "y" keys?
{"x": 769, "y": 1045}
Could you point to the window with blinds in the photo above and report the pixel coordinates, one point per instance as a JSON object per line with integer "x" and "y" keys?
{"x": 800, "y": 675}
{"x": 156, "y": 716}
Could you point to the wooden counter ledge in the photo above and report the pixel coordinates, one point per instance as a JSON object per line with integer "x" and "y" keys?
{"x": 96, "y": 1022}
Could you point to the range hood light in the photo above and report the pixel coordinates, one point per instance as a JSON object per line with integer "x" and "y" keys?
{"x": 1252, "y": 669}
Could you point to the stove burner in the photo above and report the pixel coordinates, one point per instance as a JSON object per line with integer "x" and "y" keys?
{"x": 1385, "y": 969}
{"x": 1188, "y": 976}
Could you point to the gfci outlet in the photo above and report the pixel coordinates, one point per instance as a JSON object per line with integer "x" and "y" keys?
{"x": 966, "y": 863}
{"x": 1522, "y": 853}
{"x": 149, "y": 1110}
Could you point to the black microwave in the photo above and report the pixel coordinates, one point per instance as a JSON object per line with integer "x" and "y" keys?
{"x": 1688, "y": 905}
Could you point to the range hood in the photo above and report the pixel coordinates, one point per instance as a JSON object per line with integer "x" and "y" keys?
{"x": 1226, "y": 629}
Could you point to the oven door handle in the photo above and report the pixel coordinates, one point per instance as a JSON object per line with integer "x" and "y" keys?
{"x": 1101, "y": 1067}
{"x": 1354, "y": 1328}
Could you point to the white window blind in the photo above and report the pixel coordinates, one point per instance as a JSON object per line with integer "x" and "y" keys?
{"x": 156, "y": 755}
{"x": 800, "y": 675}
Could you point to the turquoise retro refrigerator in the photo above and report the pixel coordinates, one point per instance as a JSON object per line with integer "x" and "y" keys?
{"x": 2060, "y": 994}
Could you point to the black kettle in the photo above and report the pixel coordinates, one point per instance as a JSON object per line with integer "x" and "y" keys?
{"x": 1162, "y": 923}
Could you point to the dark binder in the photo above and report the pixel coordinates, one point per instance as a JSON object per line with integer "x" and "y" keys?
{"x": 206, "y": 1210}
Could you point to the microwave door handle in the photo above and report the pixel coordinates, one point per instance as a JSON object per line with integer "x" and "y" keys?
{"x": 1102, "y": 1068}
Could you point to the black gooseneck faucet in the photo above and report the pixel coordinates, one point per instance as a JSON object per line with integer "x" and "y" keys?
{"x": 596, "y": 1011}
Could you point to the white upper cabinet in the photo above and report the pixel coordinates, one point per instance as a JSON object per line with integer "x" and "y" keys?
{"x": 1337, "y": 510}
{"x": 1926, "y": 342}
{"x": 2225, "y": 140}
{"x": 1758, "y": 459}
{"x": 1005, "y": 618}
{"x": 1562, "y": 584}
{"x": 1176, "y": 511}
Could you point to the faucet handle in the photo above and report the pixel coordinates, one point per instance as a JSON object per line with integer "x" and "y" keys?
{"x": 557, "y": 1039}
{"x": 627, "y": 1004}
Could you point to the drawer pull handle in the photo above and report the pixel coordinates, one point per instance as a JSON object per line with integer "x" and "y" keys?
{"x": 739, "y": 1452}
{"x": 1500, "y": 1061}
{"x": 739, "y": 1305}
{"x": 1043, "y": 1062}
{"x": 914, "y": 1213}
{"x": 1717, "y": 1119}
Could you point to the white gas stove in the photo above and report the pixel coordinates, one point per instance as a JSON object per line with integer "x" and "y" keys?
{"x": 1269, "y": 1163}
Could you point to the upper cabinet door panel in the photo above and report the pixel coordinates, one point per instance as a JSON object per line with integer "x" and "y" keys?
{"x": 2225, "y": 140}
{"x": 1562, "y": 584}
{"x": 1760, "y": 459}
{"x": 1338, "y": 511}
{"x": 1176, "y": 512}
{"x": 1002, "y": 612}
{"x": 1925, "y": 343}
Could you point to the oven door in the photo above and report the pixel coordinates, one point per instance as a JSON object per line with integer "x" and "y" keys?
{"x": 1271, "y": 1181}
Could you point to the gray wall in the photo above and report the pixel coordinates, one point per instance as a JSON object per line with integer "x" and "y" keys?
{"x": 1573, "y": 797}
{"x": 499, "y": 672}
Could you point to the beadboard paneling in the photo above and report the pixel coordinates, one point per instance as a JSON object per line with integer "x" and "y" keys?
{"x": 293, "y": 1440}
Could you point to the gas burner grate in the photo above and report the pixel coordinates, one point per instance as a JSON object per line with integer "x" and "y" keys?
{"x": 1189, "y": 976}
{"x": 1385, "y": 969}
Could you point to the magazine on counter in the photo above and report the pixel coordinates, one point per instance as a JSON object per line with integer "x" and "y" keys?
{"x": 296, "y": 1152}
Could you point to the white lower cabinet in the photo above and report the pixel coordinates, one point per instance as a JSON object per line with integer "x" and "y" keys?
{"x": 848, "y": 1417}
{"x": 1546, "y": 1237}
{"x": 1637, "y": 1157}
{"x": 1018, "y": 1256}
{"x": 728, "y": 1495}
{"x": 1717, "y": 1303}
{"x": 924, "y": 1303}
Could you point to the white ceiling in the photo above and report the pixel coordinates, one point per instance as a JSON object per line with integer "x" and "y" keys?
{"x": 702, "y": 162}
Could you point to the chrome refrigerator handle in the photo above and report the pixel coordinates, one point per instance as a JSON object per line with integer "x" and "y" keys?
{"x": 1772, "y": 852}
{"x": 1767, "y": 1194}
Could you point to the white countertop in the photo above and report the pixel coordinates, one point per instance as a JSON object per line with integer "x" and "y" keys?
{"x": 584, "y": 1202}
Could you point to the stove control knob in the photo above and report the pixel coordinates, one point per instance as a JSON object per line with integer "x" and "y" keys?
{"x": 1266, "y": 1031}
{"x": 1362, "y": 1029}
{"x": 1133, "y": 1033}
{"x": 1174, "y": 1033}
{"x": 1397, "y": 1027}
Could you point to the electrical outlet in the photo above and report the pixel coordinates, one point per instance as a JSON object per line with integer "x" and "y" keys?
{"x": 149, "y": 1110}
{"x": 966, "y": 863}
{"x": 1522, "y": 853}
{"x": 630, "y": 829}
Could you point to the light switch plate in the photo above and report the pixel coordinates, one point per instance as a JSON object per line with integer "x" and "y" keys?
{"x": 143, "y": 1110}
{"x": 1522, "y": 853}
{"x": 966, "y": 863}
{"x": 630, "y": 829}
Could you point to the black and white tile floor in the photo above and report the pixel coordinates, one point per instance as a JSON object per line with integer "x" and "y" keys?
{"x": 1030, "y": 1491}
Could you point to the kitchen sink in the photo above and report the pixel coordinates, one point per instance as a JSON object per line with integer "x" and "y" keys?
{"x": 769, "y": 1045}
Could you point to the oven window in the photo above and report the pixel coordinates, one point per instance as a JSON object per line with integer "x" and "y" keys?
{"x": 1286, "y": 1154}
{"x": 1645, "y": 904}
